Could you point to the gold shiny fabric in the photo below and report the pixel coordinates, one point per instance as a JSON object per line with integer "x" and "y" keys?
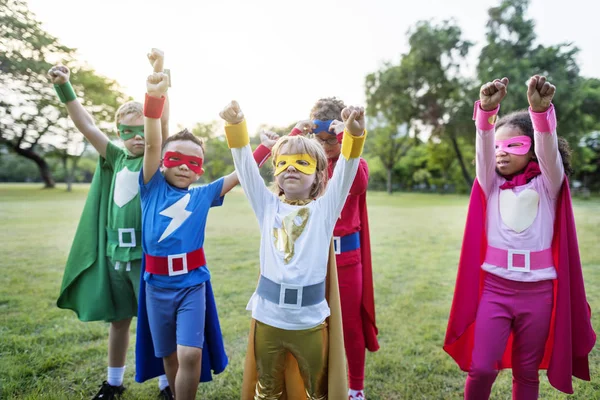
{"x": 309, "y": 347}
{"x": 292, "y": 227}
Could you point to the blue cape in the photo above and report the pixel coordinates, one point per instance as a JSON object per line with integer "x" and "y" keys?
{"x": 214, "y": 359}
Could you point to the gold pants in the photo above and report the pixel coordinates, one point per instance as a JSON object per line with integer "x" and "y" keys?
{"x": 310, "y": 349}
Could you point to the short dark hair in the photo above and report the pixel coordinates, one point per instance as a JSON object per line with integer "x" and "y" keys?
{"x": 184, "y": 135}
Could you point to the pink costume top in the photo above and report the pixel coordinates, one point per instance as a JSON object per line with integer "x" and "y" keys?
{"x": 521, "y": 218}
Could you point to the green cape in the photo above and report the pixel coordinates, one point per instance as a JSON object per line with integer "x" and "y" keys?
{"x": 86, "y": 285}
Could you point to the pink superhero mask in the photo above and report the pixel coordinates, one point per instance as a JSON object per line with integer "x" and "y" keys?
{"x": 518, "y": 145}
{"x": 175, "y": 159}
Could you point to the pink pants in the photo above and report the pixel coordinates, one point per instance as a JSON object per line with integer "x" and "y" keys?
{"x": 350, "y": 281}
{"x": 525, "y": 308}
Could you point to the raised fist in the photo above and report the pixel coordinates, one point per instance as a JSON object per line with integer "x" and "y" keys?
{"x": 157, "y": 84}
{"x": 354, "y": 120}
{"x": 540, "y": 93}
{"x": 59, "y": 74}
{"x": 232, "y": 113}
{"x": 157, "y": 59}
{"x": 268, "y": 139}
{"x": 492, "y": 93}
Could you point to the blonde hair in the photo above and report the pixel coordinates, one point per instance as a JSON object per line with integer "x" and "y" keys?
{"x": 327, "y": 108}
{"x": 131, "y": 107}
{"x": 303, "y": 145}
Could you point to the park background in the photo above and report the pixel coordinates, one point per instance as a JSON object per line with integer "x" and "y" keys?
{"x": 417, "y": 68}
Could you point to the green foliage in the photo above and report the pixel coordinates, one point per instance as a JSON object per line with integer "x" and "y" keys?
{"x": 33, "y": 122}
{"x": 426, "y": 92}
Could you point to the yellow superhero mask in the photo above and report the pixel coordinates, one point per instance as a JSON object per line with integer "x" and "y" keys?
{"x": 302, "y": 162}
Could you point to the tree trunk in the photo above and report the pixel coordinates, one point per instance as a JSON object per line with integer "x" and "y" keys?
{"x": 68, "y": 173}
{"x": 461, "y": 161}
{"x": 43, "y": 166}
{"x": 389, "y": 180}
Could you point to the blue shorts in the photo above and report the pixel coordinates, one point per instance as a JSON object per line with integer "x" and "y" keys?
{"x": 176, "y": 317}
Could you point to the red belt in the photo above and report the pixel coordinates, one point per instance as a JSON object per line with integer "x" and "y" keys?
{"x": 175, "y": 264}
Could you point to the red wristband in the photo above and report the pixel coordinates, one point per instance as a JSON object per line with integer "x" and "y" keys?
{"x": 153, "y": 106}
{"x": 296, "y": 132}
{"x": 261, "y": 154}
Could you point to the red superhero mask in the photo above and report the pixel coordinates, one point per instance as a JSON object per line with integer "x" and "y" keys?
{"x": 175, "y": 159}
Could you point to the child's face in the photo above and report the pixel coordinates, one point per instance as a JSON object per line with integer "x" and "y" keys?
{"x": 325, "y": 139}
{"x": 182, "y": 176}
{"x": 136, "y": 144}
{"x": 507, "y": 163}
{"x": 295, "y": 184}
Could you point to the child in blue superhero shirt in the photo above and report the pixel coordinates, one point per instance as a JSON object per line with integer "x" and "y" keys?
{"x": 176, "y": 300}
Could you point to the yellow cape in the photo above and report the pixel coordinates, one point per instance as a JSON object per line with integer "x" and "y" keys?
{"x": 337, "y": 376}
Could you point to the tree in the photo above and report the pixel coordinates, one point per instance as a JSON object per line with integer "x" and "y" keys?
{"x": 217, "y": 155}
{"x": 389, "y": 143}
{"x": 425, "y": 88}
{"x": 511, "y": 51}
{"x": 31, "y": 115}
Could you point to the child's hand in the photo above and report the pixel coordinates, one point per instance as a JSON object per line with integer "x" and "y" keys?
{"x": 354, "y": 120}
{"x": 59, "y": 74}
{"x": 157, "y": 59}
{"x": 268, "y": 139}
{"x": 492, "y": 93}
{"x": 305, "y": 126}
{"x": 157, "y": 84}
{"x": 336, "y": 127}
{"x": 232, "y": 113}
{"x": 540, "y": 93}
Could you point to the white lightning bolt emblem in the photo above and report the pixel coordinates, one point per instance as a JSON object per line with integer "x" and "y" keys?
{"x": 179, "y": 214}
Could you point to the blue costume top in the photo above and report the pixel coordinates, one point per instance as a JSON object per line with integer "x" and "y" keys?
{"x": 173, "y": 222}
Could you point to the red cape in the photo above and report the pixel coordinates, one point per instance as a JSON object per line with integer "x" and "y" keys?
{"x": 368, "y": 299}
{"x": 571, "y": 335}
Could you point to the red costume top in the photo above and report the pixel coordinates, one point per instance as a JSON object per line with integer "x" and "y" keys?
{"x": 571, "y": 336}
{"x": 354, "y": 218}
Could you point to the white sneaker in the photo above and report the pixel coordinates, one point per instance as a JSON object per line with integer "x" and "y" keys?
{"x": 356, "y": 395}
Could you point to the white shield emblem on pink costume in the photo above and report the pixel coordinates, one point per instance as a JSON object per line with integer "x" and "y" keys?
{"x": 126, "y": 186}
{"x": 518, "y": 211}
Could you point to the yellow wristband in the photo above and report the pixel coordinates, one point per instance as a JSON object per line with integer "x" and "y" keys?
{"x": 352, "y": 146}
{"x": 237, "y": 135}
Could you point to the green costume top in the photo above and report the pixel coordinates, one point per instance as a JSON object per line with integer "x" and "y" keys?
{"x": 113, "y": 202}
{"x": 124, "y": 211}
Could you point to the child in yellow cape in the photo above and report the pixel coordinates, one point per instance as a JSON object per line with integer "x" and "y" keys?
{"x": 296, "y": 347}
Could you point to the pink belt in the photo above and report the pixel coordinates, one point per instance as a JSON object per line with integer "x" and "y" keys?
{"x": 519, "y": 260}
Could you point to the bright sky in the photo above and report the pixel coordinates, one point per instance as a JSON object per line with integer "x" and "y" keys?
{"x": 277, "y": 57}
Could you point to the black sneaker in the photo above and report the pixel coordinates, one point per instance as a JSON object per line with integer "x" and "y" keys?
{"x": 166, "y": 394}
{"x": 109, "y": 392}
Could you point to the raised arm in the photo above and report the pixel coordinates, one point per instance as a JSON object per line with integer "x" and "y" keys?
{"x": 59, "y": 75}
{"x": 485, "y": 114}
{"x": 245, "y": 166}
{"x": 267, "y": 141}
{"x": 156, "y": 58}
{"x": 540, "y": 94}
{"x": 346, "y": 167}
{"x": 156, "y": 88}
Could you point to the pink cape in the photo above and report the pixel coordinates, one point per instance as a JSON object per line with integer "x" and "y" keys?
{"x": 571, "y": 335}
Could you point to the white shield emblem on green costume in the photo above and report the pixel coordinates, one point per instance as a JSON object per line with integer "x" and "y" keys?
{"x": 126, "y": 186}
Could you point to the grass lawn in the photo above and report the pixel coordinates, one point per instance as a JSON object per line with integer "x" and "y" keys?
{"x": 46, "y": 353}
